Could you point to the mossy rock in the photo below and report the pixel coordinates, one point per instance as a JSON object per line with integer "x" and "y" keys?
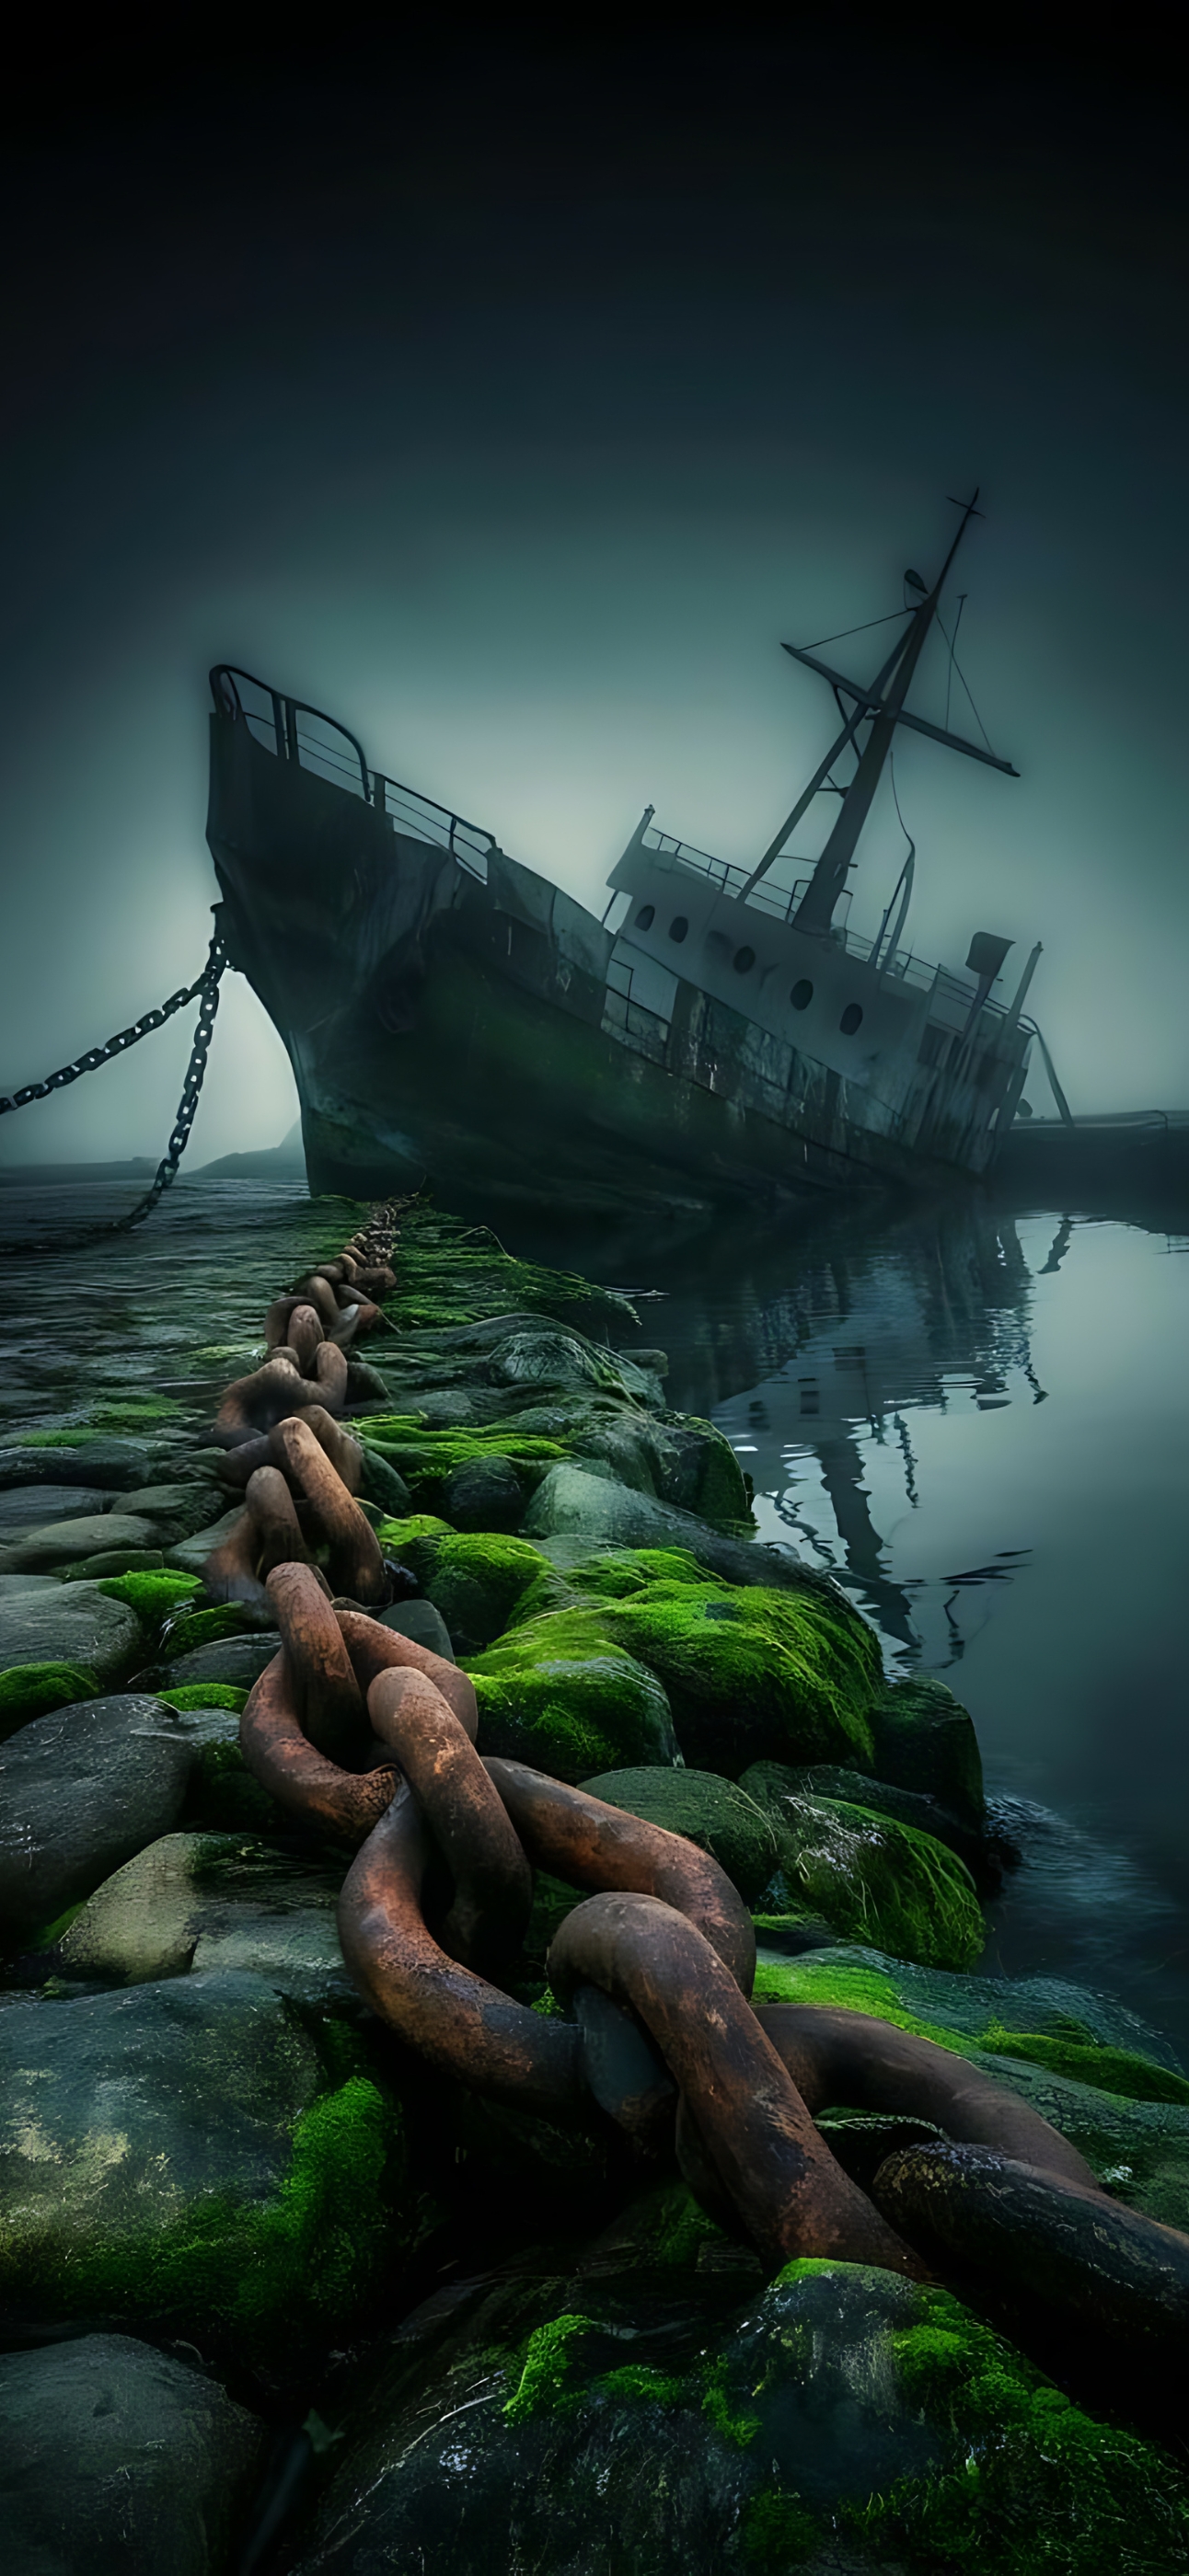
{"x": 1087, "y": 2064}
{"x": 34, "y": 1690}
{"x": 773, "y": 1780}
{"x": 842, "y": 2419}
{"x": 557, "y": 1693}
{"x": 155, "y": 1595}
{"x": 874, "y": 1880}
{"x": 195, "y": 2154}
{"x": 924, "y": 1739}
{"x": 752, "y": 1673}
{"x": 711, "y": 1812}
{"x": 475, "y": 1581}
{"x": 194, "y": 1628}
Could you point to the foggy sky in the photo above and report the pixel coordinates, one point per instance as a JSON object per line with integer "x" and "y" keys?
{"x": 514, "y": 411}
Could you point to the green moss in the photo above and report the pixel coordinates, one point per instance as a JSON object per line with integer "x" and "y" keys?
{"x": 75, "y": 1439}
{"x": 182, "y": 1695}
{"x": 752, "y": 1673}
{"x": 1113, "y": 2070}
{"x": 736, "y": 2426}
{"x": 153, "y": 1596}
{"x": 678, "y": 2228}
{"x": 134, "y": 1412}
{"x": 33, "y": 1690}
{"x": 637, "y": 2383}
{"x": 779, "y": 2531}
{"x": 1033, "y": 2483}
{"x": 857, "y": 1986}
{"x": 879, "y": 1883}
{"x": 544, "y": 2364}
{"x": 304, "y": 2257}
{"x": 557, "y": 1694}
{"x": 110, "y": 1419}
{"x": 450, "y": 1273}
{"x": 415, "y": 1541}
{"x": 622, "y": 1572}
{"x": 205, "y": 1628}
{"x": 478, "y": 1582}
{"x": 423, "y": 1456}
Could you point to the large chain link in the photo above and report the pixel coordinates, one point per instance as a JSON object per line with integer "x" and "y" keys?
{"x": 206, "y": 987}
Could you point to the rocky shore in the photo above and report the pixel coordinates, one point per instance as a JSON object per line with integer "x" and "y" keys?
{"x": 280, "y": 2296}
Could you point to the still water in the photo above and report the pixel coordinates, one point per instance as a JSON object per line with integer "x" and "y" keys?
{"x": 979, "y": 1422}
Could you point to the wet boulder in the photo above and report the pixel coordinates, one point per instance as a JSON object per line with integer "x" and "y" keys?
{"x": 425, "y": 1625}
{"x": 576, "y": 1504}
{"x": 753, "y": 1673}
{"x": 81, "y": 1790}
{"x": 59, "y": 1543}
{"x": 870, "y": 1878}
{"x": 198, "y": 2153}
{"x": 195, "y": 1901}
{"x": 30, "y": 1507}
{"x": 238, "y": 1660}
{"x": 561, "y": 1695}
{"x": 826, "y": 2422}
{"x": 925, "y": 1740}
{"x": 114, "y": 1465}
{"x": 121, "y": 2460}
{"x": 175, "y": 1510}
{"x": 711, "y": 1812}
{"x": 484, "y": 1494}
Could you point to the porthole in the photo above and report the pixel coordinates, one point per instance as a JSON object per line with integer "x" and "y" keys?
{"x": 744, "y": 960}
{"x": 852, "y": 1019}
{"x": 646, "y": 916}
{"x": 802, "y": 994}
{"x": 678, "y": 928}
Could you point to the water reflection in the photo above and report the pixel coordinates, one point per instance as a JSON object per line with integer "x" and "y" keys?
{"x": 979, "y": 1421}
{"x": 824, "y": 1348}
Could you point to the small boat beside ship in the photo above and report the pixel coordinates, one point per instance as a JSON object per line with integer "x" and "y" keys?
{"x": 720, "y": 1035}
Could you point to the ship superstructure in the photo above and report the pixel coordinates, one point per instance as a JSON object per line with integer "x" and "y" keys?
{"x": 452, "y": 1015}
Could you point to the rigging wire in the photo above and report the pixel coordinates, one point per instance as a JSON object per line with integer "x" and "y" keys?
{"x": 949, "y": 673}
{"x": 844, "y": 631}
{"x": 966, "y": 685}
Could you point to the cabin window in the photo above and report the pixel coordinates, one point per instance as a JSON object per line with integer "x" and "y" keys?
{"x": 933, "y": 1043}
{"x": 852, "y": 1019}
{"x": 802, "y": 994}
{"x": 646, "y": 916}
{"x": 678, "y": 928}
{"x": 744, "y": 960}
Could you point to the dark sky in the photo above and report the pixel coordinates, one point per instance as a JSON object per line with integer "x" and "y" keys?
{"x": 513, "y": 405}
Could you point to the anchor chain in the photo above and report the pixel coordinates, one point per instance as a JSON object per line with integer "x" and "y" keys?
{"x": 206, "y": 990}
{"x": 359, "y": 1731}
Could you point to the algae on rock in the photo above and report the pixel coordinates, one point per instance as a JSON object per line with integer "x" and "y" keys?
{"x": 195, "y": 2153}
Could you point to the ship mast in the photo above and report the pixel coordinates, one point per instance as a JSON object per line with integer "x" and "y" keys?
{"x": 883, "y": 703}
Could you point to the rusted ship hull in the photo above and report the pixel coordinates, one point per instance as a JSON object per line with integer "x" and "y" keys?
{"x": 452, "y": 1017}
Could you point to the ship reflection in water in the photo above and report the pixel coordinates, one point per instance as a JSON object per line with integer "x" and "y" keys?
{"x": 978, "y": 1422}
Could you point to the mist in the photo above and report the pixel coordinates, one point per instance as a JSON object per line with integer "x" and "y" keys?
{"x": 517, "y": 423}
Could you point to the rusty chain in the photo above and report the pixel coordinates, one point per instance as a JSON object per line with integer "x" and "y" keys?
{"x": 358, "y": 1730}
{"x": 206, "y": 990}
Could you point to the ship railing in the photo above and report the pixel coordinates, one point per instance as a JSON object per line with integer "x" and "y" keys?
{"x": 420, "y": 819}
{"x": 295, "y": 731}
